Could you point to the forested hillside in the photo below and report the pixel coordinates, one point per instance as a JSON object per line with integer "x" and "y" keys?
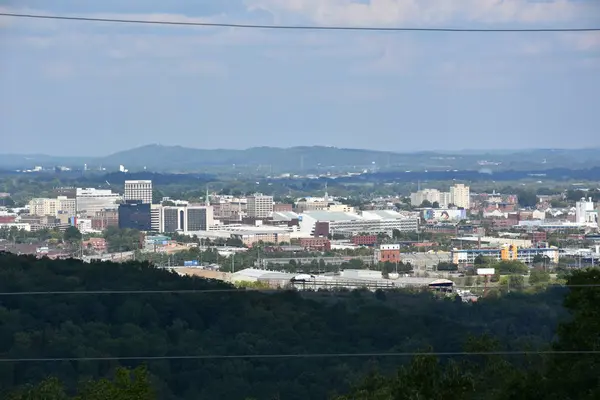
{"x": 240, "y": 323}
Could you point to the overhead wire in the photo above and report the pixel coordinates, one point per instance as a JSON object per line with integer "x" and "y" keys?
{"x": 304, "y": 355}
{"x": 292, "y": 27}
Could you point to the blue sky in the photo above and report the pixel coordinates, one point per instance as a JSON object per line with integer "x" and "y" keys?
{"x": 92, "y": 89}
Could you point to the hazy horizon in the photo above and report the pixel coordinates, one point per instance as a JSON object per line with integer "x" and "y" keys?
{"x": 98, "y": 88}
{"x": 439, "y": 151}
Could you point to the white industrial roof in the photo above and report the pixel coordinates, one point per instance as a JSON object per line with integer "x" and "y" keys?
{"x": 261, "y": 274}
{"x": 341, "y": 281}
{"x": 382, "y": 214}
{"x": 284, "y": 216}
{"x": 333, "y": 216}
{"x": 346, "y": 216}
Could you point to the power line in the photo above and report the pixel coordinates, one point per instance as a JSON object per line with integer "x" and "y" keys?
{"x": 235, "y": 290}
{"x": 293, "y": 27}
{"x": 301, "y": 355}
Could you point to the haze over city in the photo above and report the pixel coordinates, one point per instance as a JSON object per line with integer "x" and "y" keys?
{"x": 124, "y": 86}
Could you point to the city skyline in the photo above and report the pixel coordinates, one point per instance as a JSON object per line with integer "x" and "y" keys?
{"x": 126, "y": 86}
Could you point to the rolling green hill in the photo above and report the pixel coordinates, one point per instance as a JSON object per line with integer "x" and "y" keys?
{"x": 305, "y": 159}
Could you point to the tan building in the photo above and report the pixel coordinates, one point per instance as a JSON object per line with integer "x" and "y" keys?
{"x": 251, "y": 237}
{"x": 91, "y": 200}
{"x": 339, "y": 207}
{"x": 53, "y": 207}
{"x": 460, "y": 196}
{"x": 310, "y": 204}
{"x": 260, "y": 206}
{"x": 432, "y": 196}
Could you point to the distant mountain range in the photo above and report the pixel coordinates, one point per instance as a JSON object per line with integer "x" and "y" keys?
{"x": 309, "y": 159}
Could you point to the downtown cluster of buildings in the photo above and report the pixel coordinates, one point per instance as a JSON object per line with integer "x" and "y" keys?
{"x": 314, "y": 221}
{"x": 500, "y": 211}
{"x": 250, "y": 219}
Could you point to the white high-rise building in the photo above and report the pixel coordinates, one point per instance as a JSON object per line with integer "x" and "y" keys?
{"x": 445, "y": 199}
{"x": 184, "y": 218}
{"x": 460, "y": 196}
{"x": 260, "y": 206}
{"x": 138, "y": 191}
{"x": 156, "y": 217}
{"x": 584, "y": 211}
{"x": 90, "y": 201}
{"x": 432, "y": 196}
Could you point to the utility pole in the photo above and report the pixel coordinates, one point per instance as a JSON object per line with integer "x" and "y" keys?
{"x": 201, "y": 251}
{"x": 258, "y": 256}
{"x": 232, "y": 262}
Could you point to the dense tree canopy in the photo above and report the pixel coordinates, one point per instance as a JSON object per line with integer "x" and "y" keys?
{"x": 125, "y": 385}
{"x": 252, "y": 323}
{"x": 526, "y": 198}
{"x": 550, "y": 376}
{"x": 72, "y": 235}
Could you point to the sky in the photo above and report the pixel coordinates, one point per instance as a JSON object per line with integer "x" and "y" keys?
{"x": 82, "y": 88}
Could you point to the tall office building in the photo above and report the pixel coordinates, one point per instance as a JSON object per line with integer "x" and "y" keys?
{"x": 460, "y": 196}
{"x": 432, "y": 196}
{"x": 61, "y": 205}
{"x": 190, "y": 218}
{"x": 138, "y": 191}
{"x": 199, "y": 218}
{"x": 260, "y": 206}
{"x": 584, "y": 211}
{"x": 91, "y": 201}
{"x": 134, "y": 215}
{"x": 156, "y": 217}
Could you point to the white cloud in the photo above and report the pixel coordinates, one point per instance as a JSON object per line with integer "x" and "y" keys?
{"x": 423, "y": 12}
{"x": 56, "y": 24}
{"x": 206, "y": 51}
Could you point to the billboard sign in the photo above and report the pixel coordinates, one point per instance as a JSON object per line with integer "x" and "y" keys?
{"x": 193, "y": 263}
{"x": 441, "y": 215}
{"x": 486, "y": 271}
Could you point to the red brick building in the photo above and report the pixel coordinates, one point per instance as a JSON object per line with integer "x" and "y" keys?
{"x": 321, "y": 229}
{"x": 319, "y": 244}
{"x": 104, "y": 219}
{"x": 388, "y": 253}
{"x": 98, "y": 244}
{"x": 7, "y": 219}
{"x": 282, "y": 207}
{"x": 369, "y": 240}
{"x": 537, "y": 237}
